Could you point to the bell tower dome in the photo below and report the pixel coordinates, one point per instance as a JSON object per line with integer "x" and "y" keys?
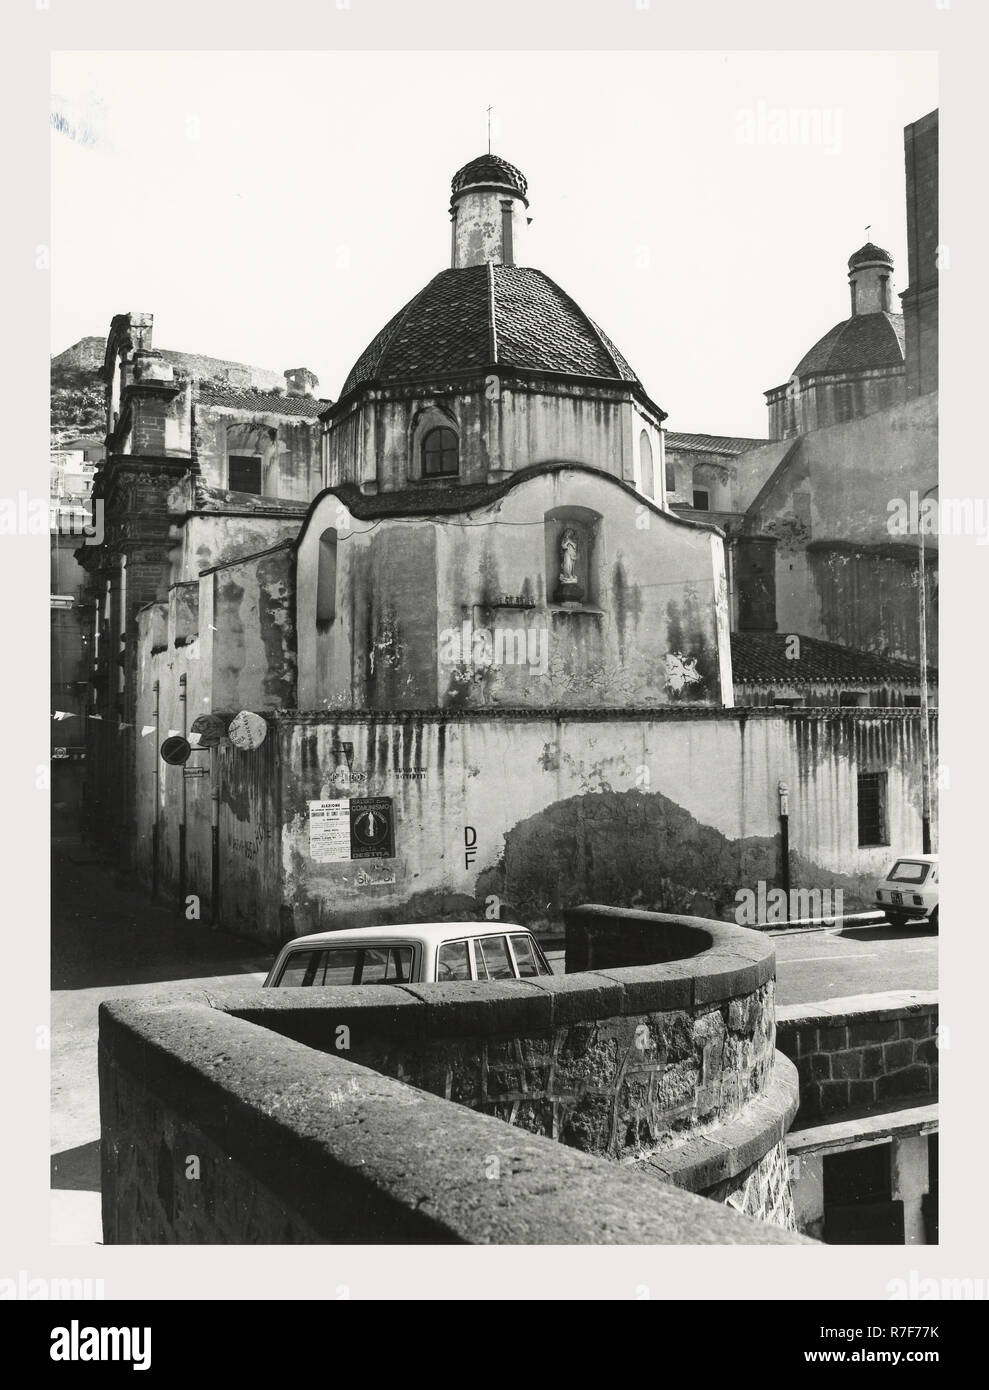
{"x": 488, "y": 212}
{"x": 870, "y": 279}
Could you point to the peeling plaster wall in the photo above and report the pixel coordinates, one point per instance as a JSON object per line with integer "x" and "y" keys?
{"x": 213, "y": 538}
{"x": 670, "y": 812}
{"x": 288, "y": 448}
{"x": 504, "y": 425}
{"x": 167, "y": 667}
{"x": 653, "y": 628}
{"x": 840, "y": 573}
{"x": 253, "y": 645}
{"x": 242, "y": 658}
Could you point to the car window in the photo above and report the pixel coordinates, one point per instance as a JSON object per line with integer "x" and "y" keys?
{"x": 297, "y": 968}
{"x": 386, "y": 965}
{"x": 493, "y": 951}
{"x": 525, "y": 956}
{"x": 908, "y": 871}
{"x": 453, "y": 961}
{"x": 338, "y": 966}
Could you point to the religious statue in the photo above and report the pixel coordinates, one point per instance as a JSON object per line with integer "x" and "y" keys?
{"x": 568, "y": 556}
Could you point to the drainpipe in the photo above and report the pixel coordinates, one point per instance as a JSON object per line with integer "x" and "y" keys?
{"x": 784, "y": 795}
{"x": 156, "y": 830}
{"x": 214, "y": 761}
{"x": 925, "y": 728}
{"x": 182, "y": 806}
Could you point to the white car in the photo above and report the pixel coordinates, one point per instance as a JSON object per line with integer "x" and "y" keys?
{"x": 910, "y": 890}
{"x": 418, "y": 953}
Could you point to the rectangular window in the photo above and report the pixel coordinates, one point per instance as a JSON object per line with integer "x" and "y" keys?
{"x": 852, "y": 698}
{"x": 244, "y": 474}
{"x": 493, "y": 960}
{"x": 911, "y": 702}
{"x": 702, "y": 499}
{"x": 527, "y": 957}
{"x": 453, "y": 961}
{"x": 872, "y": 809}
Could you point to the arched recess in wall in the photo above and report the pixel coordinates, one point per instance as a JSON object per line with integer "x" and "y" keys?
{"x": 326, "y": 580}
{"x": 646, "y": 470}
{"x": 426, "y": 423}
{"x": 572, "y": 536}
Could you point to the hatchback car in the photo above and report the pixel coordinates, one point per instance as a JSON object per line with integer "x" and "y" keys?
{"x": 910, "y": 890}
{"x": 419, "y": 953}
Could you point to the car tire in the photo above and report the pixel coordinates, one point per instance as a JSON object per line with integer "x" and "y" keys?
{"x": 896, "y": 919}
{"x": 932, "y": 920}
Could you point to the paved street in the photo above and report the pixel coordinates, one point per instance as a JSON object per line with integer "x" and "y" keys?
{"x": 110, "y": 942}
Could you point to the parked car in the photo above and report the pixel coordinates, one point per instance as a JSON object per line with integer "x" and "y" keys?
{"x": 910, "y": 890}
{"x": 418, "y": 953}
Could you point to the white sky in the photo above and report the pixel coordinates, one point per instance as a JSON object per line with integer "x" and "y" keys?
{"x": 278, "y": 208}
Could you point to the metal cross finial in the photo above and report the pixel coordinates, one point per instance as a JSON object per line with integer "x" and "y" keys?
{"x": 490, "y": 109}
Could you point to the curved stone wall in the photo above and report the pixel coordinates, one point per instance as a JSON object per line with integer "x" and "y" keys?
{"x": 669, "y": 1065}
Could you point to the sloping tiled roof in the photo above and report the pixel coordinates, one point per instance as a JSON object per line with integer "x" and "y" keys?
{"x": 712, "y": 443}
{"x": 864, "y": 341}
{"x": 760, "y": 658}
{"x": 869, "y": 252}
{"x": 270, "y": 402}
{"x": 487, "y": 315}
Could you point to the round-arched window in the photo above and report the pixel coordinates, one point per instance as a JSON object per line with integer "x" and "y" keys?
{"x": 440, "y": 454}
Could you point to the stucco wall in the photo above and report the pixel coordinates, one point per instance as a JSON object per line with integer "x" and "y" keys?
{"x": 652, "y": 628}
{"x": 504, "y": 423}
{"x": 672, "y": 812}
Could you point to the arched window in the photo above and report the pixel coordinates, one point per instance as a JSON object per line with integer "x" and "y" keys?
{"x": 326, "y": 580}
{"x": 440, "y": 454}
{"x": 645, "y": 465}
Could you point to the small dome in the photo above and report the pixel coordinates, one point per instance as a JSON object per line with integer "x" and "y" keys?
{"x": 489, "y": 169}
{"x": 861, "y": 343}
{"x": 869, "y": 252}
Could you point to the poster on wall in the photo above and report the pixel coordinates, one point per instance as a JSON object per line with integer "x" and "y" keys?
{"x": 329, "y": 831}
{"x": 372, "y": 827}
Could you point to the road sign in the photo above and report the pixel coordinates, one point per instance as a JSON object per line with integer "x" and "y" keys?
{"x": 176, "y": 750}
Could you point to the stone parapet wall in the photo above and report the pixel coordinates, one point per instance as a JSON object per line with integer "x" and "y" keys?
{"x": 871, "y": 1050}
{"x": 295, "y": 1146}
{"x": 615, "y": 1061}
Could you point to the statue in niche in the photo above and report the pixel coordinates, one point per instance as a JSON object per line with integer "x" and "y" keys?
{"x": 569, "y": 589}
{"x": 568, "y": 556}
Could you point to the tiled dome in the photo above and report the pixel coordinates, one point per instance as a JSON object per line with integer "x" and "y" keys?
{"x": 869, "y": 252}
{"x": 487, "y": 169}
{"x": 487, "y": 315}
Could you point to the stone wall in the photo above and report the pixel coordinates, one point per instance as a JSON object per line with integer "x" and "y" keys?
{"x": 666, "y": 1068}
{"x": 871, "y": 1051}
{"x": 218, "y": 1132}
